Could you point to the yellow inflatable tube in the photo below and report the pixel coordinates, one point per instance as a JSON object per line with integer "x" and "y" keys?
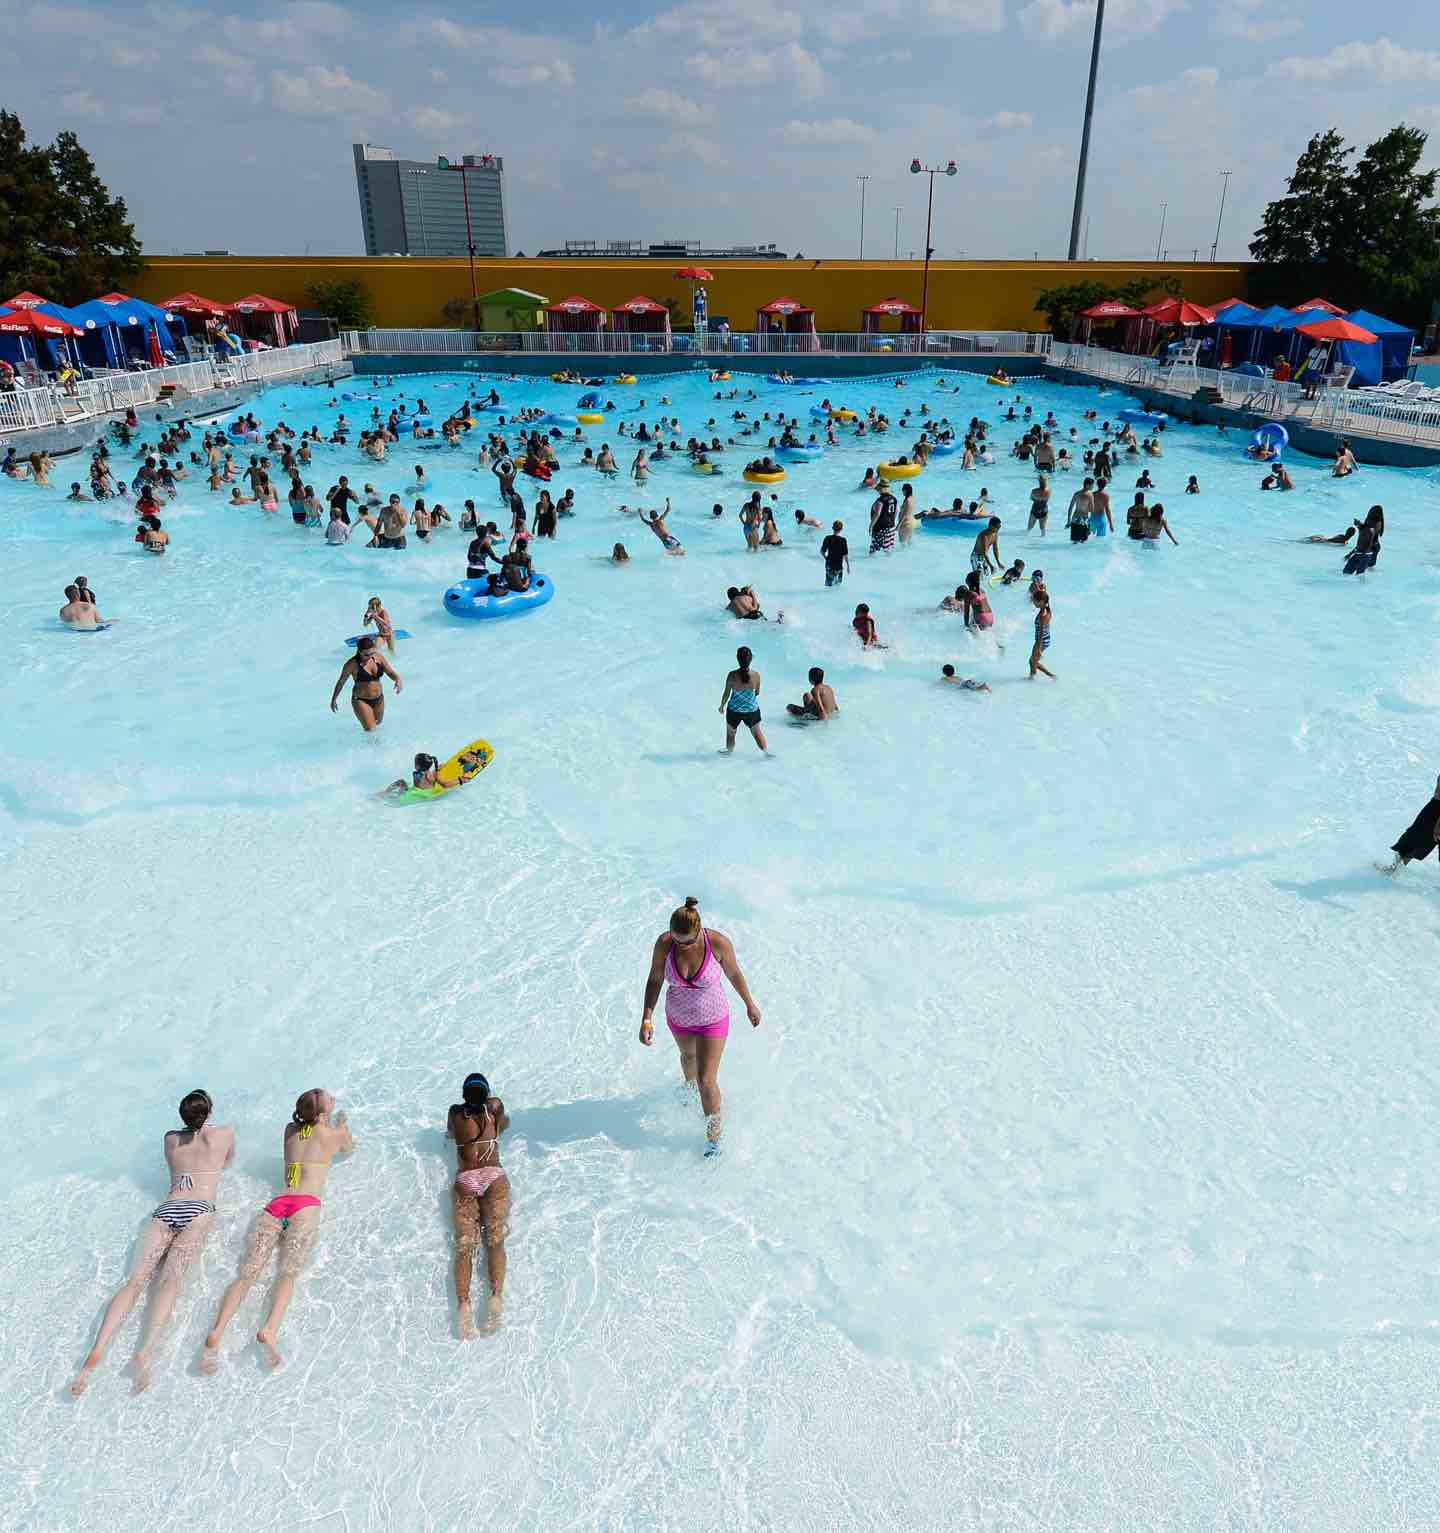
{"x": 1000, "y": 381}
{"x": 842, "y": 415}
{"x": 626, "y": 378}
{"x": 900, "y": 470}
{"x": 590, "y": 418}
{"x": 750, "y": 476}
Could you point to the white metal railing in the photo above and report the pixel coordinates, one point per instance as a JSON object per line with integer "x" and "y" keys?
{"x": 441, "y": 342}
{"x": 109, "y": 392}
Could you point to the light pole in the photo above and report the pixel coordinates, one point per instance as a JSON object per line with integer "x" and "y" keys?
{"x": 420, "y": 206}
{"x": 1224, "y": 188}
{"x": 917, "y": 169}
{"x": 1085, "y": 132}
{"x": 1159, "y": 238}
{"x": 862, "y": 180}
{"x": 897, "y": 234}
{"x": 462, "y": 167}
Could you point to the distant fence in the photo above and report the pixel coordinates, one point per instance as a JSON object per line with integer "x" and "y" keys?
{"x": 934, "y": 343}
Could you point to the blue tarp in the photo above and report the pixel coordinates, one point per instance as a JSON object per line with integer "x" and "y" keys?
{"x": 1396, "y": 342}
{"x": 132, "y": 320}
{"x": 1234, "y": 313}
{"x": 1364, "y": 357}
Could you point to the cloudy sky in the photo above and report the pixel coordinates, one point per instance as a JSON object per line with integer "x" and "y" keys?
{"x": 721, "y": 120}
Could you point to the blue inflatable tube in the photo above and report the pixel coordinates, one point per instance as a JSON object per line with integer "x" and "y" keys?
{"x": 943, "y": 449}
{"x": 776, "y": 378}
{"x": 968, "y": 525}
{"x": 472, "y": 599}
{"x": 588, "y": 402}
{"x": 818, "y": 411}
{"x": 1271, "y": 434}
{"x": 802, "y": 454}
{"x": 557, "y": 420}
{"x": 1145, "y": 417}
{"x": 424, "y": 420}
{"x": 492, "y": 409}
{"x": 405, "y": 423}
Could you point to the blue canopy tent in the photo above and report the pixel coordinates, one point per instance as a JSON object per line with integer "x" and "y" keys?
{"x": 103, "y": 344}
{"x": 147, "y": 317}
{"x": 1396, "y": 343}
{"x": 1253, "y": 327}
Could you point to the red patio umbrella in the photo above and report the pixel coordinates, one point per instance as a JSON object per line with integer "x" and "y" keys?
{"x": 193, "y": 303}
{"x": 1333, "y": 329}
{"x": 25, "y": 301}
{"x": 695, "y": 274}
{"x": 32, "y": 322}
{"x": 1322, "y": 304}
{"x": 1109, "y": 308}
{"x": 1179, "y": 311}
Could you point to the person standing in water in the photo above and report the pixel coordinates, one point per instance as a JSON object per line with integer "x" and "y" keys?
{"x": 688, "y": 959}
{"x": 175, "y": 1234}
{"x": 1419, "y": 839}
{"x": 740, "y": 701}
{"x": 366, "y": 669}
{"x": 481, "y": 1197}
{"x": 315, "y": 1135}
{"x": 1042, "y": 636}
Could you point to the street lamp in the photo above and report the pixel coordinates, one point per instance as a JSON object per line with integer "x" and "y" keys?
{"x": 1085, "y": 131}
{"x": 1224, "y": 188}
{"x": 917, "y": 169}
{"x": 862, "y": 180}
{"x": 462, "y": 167}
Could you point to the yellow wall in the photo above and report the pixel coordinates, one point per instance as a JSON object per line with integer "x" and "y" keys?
{"x": 964, "y": 295}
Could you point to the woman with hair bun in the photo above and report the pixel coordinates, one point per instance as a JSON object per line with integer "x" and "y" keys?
{"x": 481, "y": 1197}
{"x": 688, "y": 959}
{"x": 314, "y": 1136}
{"x": 174, "y": 1234}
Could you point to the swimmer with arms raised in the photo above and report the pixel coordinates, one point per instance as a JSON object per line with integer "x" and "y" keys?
{"x": 688, "y": 959}
{"x": 174, "y": 1234}
{"x": 315, "y": 1135}
{"x": 481, "y": 1196}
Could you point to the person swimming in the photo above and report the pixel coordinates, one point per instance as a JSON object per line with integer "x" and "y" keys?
{"x": 480, "y": 1198}
{"x": 949, "y": 678}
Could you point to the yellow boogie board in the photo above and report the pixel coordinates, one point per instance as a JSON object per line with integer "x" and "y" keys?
{"x": 466, "y": 764}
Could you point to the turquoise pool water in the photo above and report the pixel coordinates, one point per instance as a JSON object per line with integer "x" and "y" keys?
{"x": 1081, "y": 1174}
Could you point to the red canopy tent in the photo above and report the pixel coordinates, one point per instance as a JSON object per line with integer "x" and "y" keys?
{"x": 24, "y": 301}
{"x": 1321, "y": 304}
{"x": 871, "y": 319}
{"x": 789, "y": 317}
{"x": 573, "y": 316}
{"x": 1107, "y": 311}
{"x": 642, "y": 316}
{"x": 275, "y": 321}
{"x": 196, "y": 307}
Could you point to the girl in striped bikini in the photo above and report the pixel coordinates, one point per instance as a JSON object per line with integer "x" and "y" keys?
{"x": 175, "y": 1233}
{"x": 688, "y": 960}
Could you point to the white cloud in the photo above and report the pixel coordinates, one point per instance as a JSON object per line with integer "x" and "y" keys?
{"x": 883, "y": 18}
{"x": 307, "y": 18}
{"x": 430, "y": 119}
{"x": 741, "y": 68}
{"x": 669, "y": 104}
{"x": 556, "y": 72}
{"x": 1009, "y": 122}
{"x": 319, "y": 91}
{"x": 1202, "y": 76}
{"x": 692, "y": 144}
{"x": 1243, "y": 18}
{"x": 82, "y": 103}
{"x": 721, "y": 24}
{"x": 1049, "y": 20}
{"x": 1363, "y": 64}
{"x": 828, "y": 130}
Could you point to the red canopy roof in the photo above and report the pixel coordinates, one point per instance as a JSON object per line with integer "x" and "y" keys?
{"x": 25, "y": 301}
{"x": 695, "y": 274}
{"x": 639, "y": 305}
{"x": 33, "y": 322}
{"x": 1179, "y": 311}
{"x": 1109, "y": 308}
{"x": 1333, "y": 329}
{"x": 258, "y": 303}
{"x": 574, "y": 306}
{"x": 1318, "y": 303}
{"x": 891, "y": 306}
{"x": 784, "y": 306}
{"x": 193, "y": 303}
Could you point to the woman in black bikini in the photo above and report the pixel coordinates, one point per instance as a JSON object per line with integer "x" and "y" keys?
{"x": 481, "y": 1196}
{"x": 367, "y": 669}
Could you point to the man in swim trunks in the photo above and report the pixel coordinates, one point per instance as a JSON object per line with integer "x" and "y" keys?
{"x": 174, "y": 1235}
{"x": 835, "y": 550}
{"x": 315, "y": 1135}
{"x": 985, "y": 556}
{"x": 819, "y": 702}
{"x": 481, "y": 1198}
{"x": 656, "y": 523}
{"x": 366, "y": 669}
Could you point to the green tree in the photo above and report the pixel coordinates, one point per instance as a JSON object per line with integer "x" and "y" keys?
{"x": 1062, "y": 306}
{"x": 1300, "y": 228}
{"x": 61, "y": 232}
{"x": 348, "y": 303}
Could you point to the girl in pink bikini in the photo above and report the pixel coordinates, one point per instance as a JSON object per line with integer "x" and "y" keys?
{"x": 481, "y": 1196}
{"x": 689, "y": 960}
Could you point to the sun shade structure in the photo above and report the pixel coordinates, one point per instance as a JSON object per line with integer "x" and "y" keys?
{"x": 873, "y": 317}
{"x": 1179, "y": 311}
{"x": 265, "y": 318}
{"x": 642, "y": 316}
{"x": 1322, "y": 304}
{"x": 1334, "y": 329}
{"x": 512, "y": 308}
{"x": 790, "y": 317}
{"x": 194, "y": 305}
{"x": 574, "y": 316}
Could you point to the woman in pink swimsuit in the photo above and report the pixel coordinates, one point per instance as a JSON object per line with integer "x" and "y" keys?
{"x": 689, "y": 960}
{"x": 482, "y": 1198}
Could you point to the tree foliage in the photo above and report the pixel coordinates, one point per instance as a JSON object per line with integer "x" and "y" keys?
{"x": 61, "y": 232}
{"x": 348, "y": 303}
{"x": 1062, "y": 305}
{"x": 1365, "y": 235}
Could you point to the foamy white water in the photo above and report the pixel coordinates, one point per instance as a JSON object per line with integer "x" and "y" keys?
{"x": 1079, "y": 1177}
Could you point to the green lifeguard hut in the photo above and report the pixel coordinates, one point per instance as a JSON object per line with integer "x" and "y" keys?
{"x": 511, "y": 308}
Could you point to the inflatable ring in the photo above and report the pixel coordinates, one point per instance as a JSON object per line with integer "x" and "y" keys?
{"x": 952, "y": 524}
{"x": 555, "y": 420}
{"x": 559, "y": 378}
{"x": 842, "y": 415}
{"x": 424, "y": 420}
{"x": 943, "y": 449}
{"x": 705, "y": 468}
{"x": 591, "y": 418}
{"x": 899, "y": 470}
{"x": 719, "y": 377}
{"x": 625, "y": 378}
{"x": 753, "y": 476}
{"x": 1145, "y": 417}
{"x": 472, "y": 599}
{"x": 804, "y": 453}
{"x": 1271, "y": 434}
{"x": 588, "y": 402}
{"x": 1000, "y": 383}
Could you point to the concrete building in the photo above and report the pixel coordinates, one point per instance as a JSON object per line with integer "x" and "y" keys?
{"x": 417, "y": 207}
{"x": 672, "y": 250}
